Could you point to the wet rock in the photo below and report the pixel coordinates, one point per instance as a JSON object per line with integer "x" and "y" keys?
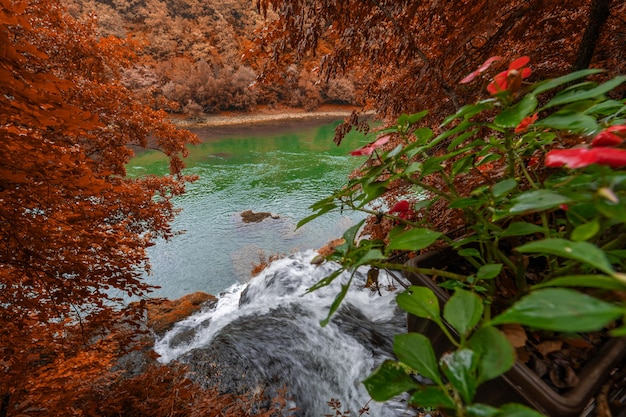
{"x": 163, "y": 313}
{"x": 160, "y": 316}
{"x": 249, "y": 216}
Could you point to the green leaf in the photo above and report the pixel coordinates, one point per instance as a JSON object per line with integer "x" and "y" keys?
{"x": 423, "y": 134}
{"x": 350, "y": 234}
{"x": 336, "y": 302}
{"x": 579, "y": 251}
{"x": 413, "y": 168}
{"x": 569, "y": 120}
{"x": 410, "y": 119}
{"x": 462, "y": 138}
{"x": 606, "y": 107}
{"x": 470, "y": 252}
{"x": 518, "y": 410}
{"x": 369, "y": 256}
{"x": 325, "y": 209}
{"x": 421, "y": 302}
{"x": 618, "y": 332}
{"x": 457, "y": 129}
{"x": 537, "y": 200}
{"x": 416, "y": 351}
{"x": 489, "y": 271}
{"x": 464, "y": 202}
{"x": 584, "y": 281}
{"x": 463, "y": 311}
{"x": 468, "y": 111}
{"x": 581, "y": 213}
{"x": 512, "y": 116}
{"x": 388, "y": 381}
{"x": 413, "y": 239}
{"x": 615, "y": 212}
{"x": 490, "y": 157}
{"x": 586, "y": 231}
{"x": 462, "y": 165}
{"x": 432, "y": 165}
{"x": 373, "y": 191}
{"x": 481, "y": 410}
{"x": 503, "y": 187}
{"x": 495, "y": 353}
{"x": 434, "y": 397}
{"x": 394, "y": 152}
{"x": 507, "y": 410}
{"x": 566, "y": 79}
{"x": 326, "y": 280}
{"x": 560, "y": 310}
{"x": 579, "y": 95}
{"x": 460, "y": 369}
{"x": 522, "y": 229}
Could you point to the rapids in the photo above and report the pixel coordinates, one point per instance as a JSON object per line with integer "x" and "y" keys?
{"x": 266, "y": 334}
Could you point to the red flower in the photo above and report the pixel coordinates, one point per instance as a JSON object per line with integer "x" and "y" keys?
{"x": 615, "y": 158}
{"x": 527, "y": 121}
{"x": 480, "y": 69}
{"x": 581, "y": 157}
{"x": 606, "y": 138}
{"x": 571, "y": 158}
{"x": 611, "y": 136}
{"x": 369, "y": 148}
{"x": 400, "y": 206}
{"x": 618, "y": 129}
{"x": 511, "y": 79}
{"x": 403, "y": 208}
{"x": 533, "y": 161}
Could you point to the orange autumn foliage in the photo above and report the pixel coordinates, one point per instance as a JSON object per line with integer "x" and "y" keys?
{"x": 410, "y": 55}
{"x": 74, "y": 228}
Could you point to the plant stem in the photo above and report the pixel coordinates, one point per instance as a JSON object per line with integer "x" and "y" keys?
{"x": 527, "y": 175}
{"x": 616, "y": 243}
{"x": 430, "y": 271}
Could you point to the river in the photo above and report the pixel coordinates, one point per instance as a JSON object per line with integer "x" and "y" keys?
{"x": 264, "y": 333}
{"x": 280, "y": 168}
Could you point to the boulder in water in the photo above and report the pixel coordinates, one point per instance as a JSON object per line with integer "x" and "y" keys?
{"x": 249, "y": 216}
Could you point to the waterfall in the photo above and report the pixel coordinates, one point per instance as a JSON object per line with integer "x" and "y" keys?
{"x": 266, "y": 335}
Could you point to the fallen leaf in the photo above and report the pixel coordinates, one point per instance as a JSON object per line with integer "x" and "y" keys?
{"x": 515, "y": 333}
{"x": 548, "y": 346}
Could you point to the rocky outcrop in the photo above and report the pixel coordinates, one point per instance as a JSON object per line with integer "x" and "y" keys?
{"x": 163, "y": 313}
{"x": 249, "y": 216}
{"x": 329, "y": 248}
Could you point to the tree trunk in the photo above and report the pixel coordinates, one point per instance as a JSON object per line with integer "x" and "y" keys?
{"x": 600, "y": 11}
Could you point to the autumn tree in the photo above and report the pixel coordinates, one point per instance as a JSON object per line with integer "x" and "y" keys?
{"x": 74, "y": 228}
{"x": 412, "y": 54}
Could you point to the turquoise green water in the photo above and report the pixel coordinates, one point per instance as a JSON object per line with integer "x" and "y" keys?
{"x": 281, "y": 168}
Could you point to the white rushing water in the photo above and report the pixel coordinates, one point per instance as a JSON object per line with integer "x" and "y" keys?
{"x": 266, "y": 335}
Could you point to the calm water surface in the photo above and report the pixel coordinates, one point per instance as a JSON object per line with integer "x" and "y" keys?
{"x": 279, "y": 168}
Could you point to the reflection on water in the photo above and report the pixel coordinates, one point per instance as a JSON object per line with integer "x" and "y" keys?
{"x": 281, "y": 169}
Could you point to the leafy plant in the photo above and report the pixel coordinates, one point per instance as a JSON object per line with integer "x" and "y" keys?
{"x": 533, "y": 176}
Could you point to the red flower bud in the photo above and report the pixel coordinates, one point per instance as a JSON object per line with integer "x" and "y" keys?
{"x": 606, "y": 138}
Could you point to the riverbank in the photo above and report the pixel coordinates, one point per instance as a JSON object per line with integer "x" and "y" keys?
{"x": 265, "y": 115}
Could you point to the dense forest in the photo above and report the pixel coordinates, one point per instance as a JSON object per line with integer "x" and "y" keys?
{"x": 85, "y": 83}
{"x": 202, "y": 56}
